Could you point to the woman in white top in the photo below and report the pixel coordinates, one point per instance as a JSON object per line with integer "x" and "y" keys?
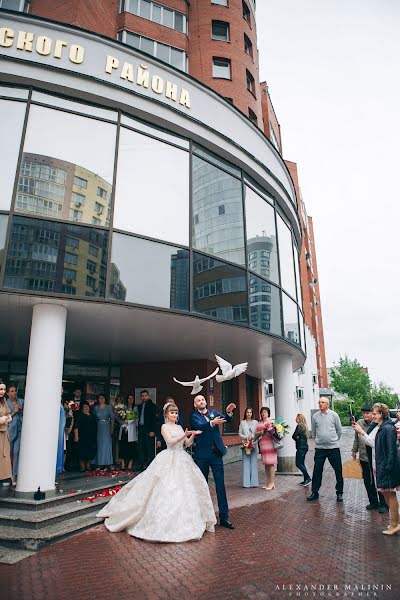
{"x": 384, "y": 460}
{"x": 170, "y": 501}
{"x": 247, "y": 431}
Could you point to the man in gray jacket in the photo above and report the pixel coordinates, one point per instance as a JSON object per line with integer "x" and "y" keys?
{"x": 327, "y": 431}
{"x": 376, "y": 501}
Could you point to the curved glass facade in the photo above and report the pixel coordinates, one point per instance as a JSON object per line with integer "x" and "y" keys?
{"x": 98, "y": 205}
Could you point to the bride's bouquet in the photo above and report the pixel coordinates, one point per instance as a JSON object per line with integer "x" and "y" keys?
{"x": 120, "y": 410}
{"x": 281, "y": 428}
{"x": 132, "y": 415}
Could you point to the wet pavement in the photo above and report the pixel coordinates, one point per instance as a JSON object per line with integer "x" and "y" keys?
{"x": 282, "y": 547}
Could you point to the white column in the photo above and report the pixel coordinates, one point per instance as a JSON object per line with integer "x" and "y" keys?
{"x": 38, "y": 453}
{"x": 285, "y": 406}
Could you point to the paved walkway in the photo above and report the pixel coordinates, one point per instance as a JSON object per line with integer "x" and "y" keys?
{"x": 280, "y": 541}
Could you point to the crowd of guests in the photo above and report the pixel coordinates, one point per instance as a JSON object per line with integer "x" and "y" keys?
{"x": 376, "y": 443}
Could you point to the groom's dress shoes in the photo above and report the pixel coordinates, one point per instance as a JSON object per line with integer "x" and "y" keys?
{"x": 226, "y": 523}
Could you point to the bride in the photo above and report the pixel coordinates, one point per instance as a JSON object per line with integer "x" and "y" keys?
{"x": 170, "y": 501}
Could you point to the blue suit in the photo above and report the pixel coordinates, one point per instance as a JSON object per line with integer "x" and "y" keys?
{"x": 208, "y": 453}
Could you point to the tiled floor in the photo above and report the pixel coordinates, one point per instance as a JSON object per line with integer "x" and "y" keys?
{"x": 280, "y": 540}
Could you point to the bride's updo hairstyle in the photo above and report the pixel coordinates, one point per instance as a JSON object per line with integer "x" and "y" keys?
{"x": 168, "y": 407}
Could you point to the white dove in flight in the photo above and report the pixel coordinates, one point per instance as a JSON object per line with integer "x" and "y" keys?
{"x": 229, "y": 372}
{"x": 196, "y": 384}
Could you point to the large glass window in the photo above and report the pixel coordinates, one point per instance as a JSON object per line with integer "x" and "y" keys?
{"x": 61, "y": 150}
{"x": 3, "y": 232}
{"x": 219, "y": 290}
{"x": 297, "y": 271}
{"x": 261, "y": 236}
{"x": 17, "y": 5}
{"x": 290, "y": 318}
{"x": 145, "y": 272}
{"x": 286, "y": 257}
{"x": 173, "y": 56}
{"x": 152, "y": 190}
{"x": 11, "y": 123}
{"x": 40, "y": 257}
{"x": 265, "y": 306}
{"x": 157, "y": 13}
{"x": 217, "y": 212}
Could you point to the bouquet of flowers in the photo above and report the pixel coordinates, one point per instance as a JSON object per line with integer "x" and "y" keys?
{"x": 70, "y": 406}
{"x": 120, "y": 410}
{"x": 247, "y": 446}
{"x": 281, "y": 428}
{"x": 132, "y": 415}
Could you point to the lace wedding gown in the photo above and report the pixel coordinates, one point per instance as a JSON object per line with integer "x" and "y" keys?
{"x": 169, "y": 502}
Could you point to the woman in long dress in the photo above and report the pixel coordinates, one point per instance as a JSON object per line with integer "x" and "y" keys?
{"x": 170, "y": 501}
{"x": 269, "y": 456}
{"x": 105, "y": 427}
{"x": 247, "y": 431}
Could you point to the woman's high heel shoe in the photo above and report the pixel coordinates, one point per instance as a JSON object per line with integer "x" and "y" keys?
{"x": 392, "y": 531}
{"x": 269, "y": 487}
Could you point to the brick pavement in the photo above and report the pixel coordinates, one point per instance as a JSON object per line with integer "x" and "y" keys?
{"x": 279, "y": 540}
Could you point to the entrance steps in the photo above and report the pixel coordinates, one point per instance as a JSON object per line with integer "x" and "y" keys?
{"x": 29, "y": 525}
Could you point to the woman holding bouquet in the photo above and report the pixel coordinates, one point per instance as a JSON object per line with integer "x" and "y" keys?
{"x": 247, "y": 431}
{"x": 128, "y": 434}
{"x": 269, "y": 456}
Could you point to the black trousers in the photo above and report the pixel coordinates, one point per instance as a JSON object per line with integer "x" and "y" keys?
{"x": 335, "y": 460}
{"x": 375, "y": 498}
{"x": 146, "y": 448}
{"x": 300, "y": 458}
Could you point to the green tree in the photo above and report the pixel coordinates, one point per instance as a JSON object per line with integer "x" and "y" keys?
{"x": 383, "y": 393}
{"x": 348, "y": 377}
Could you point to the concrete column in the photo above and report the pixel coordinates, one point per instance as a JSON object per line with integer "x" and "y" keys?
{"x": 285, "y": 406}
{"x": 38, "y": 453}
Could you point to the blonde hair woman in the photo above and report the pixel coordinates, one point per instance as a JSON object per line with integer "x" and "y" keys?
{"x": 170, "y": 501}
{"x": 384, "y": 460}
{"x": 300, "y": 436}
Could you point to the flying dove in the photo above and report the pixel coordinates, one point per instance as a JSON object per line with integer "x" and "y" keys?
{"x": 196, "y": 384}
{"x": 229, "y": 372}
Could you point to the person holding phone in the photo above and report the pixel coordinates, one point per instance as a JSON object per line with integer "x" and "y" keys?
{"x": 376, "y": 500}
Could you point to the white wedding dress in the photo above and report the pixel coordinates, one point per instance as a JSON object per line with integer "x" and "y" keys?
{"x": 169, "y": 502}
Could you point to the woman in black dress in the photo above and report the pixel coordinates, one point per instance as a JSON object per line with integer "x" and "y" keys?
{"x": 128, "y": 435}
{"x": 85, "y": 432}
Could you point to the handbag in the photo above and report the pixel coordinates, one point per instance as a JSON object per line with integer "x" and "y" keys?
{"x": 278, "y": 443}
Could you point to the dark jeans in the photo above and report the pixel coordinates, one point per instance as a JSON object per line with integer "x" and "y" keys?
{"x": 146, "y": 448}
{"x": 300, "y": 458}
{"x": 375, "y": 498}
{"x": 335, "y": 460}
{"x": 217, "y": 468}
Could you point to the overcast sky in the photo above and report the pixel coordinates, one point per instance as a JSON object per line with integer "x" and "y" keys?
{"x": 333, "y": 72}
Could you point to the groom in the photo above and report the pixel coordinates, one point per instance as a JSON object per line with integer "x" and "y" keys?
{"x": 210, "y": 449}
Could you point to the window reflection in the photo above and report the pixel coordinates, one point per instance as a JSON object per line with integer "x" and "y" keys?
{"x": 217, "y": 212}
{"x": 56, "y": 257}
{"x": 262, "y": 253}
{"x": 291, "y": 325}
{"x": 11, "y": 123}
{"x": 297, "y": 271}
{"x": 286, "y": 257}
{"x": 144, "y": 272}
{"x": 152, "y": 190}
{"x": 219, "y": 289}
{"x": 3, "y": 232}
{"x": 65, "y": 172}
{"x": 301, "y": 321}
{"x": 265, "y": 306}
